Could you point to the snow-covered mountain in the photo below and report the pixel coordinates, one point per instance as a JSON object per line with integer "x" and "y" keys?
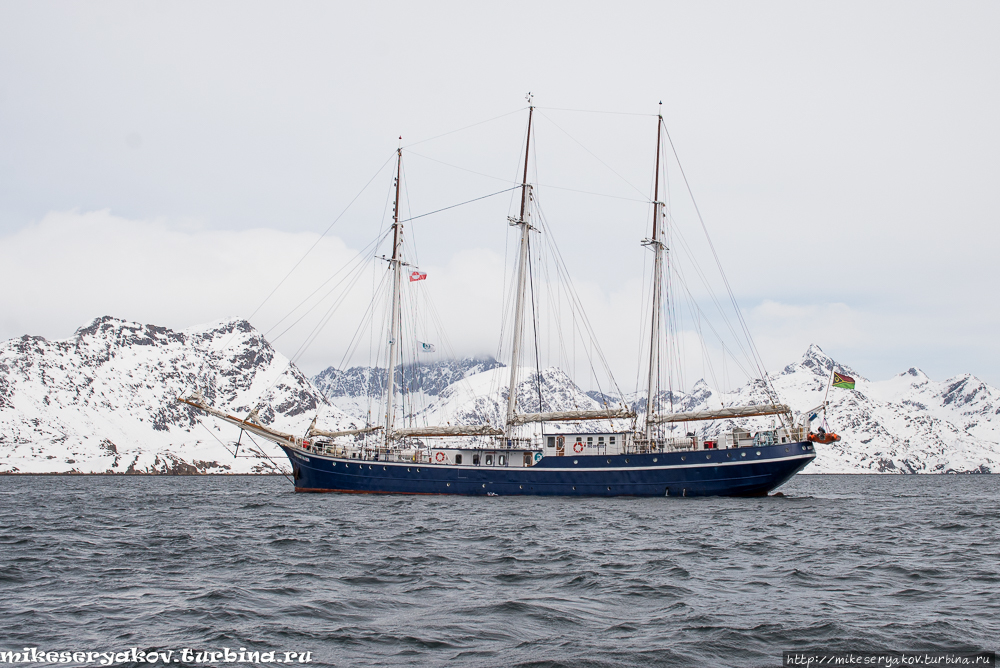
{"x": 907, "y": 424}
{"x": 104, "y": 401}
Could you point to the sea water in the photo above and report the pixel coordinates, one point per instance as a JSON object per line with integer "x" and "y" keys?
{"x": 238, "y": 570}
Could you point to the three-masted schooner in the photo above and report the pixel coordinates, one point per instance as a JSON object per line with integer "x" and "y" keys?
{"x": 500, "y": 459}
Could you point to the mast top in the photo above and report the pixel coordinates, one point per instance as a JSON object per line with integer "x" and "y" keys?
{"x": 531, "y": 99}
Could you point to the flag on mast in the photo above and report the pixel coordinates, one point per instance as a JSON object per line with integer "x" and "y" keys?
{"x": 426, "y": 347}
{"x": 417, "y": 276}
{"x": 843, "y": 380}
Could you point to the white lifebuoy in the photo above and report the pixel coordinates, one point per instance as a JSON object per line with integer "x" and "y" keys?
{"x": 440, "y": 457}
{"x": 578, "y": 447}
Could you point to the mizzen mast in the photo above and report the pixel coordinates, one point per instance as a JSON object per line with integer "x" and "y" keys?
{"x": 658, "y": 247}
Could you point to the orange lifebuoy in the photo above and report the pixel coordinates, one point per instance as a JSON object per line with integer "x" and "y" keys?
{"x": 578, "y": 447}
{"x": 440, "y": 457}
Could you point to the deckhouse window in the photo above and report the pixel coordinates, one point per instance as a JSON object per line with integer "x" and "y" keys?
{"x": 475, "y": 460}
{"x": 458, "y": 459}
{"x": 501, "y": 460}
{"x": 552, "y": 441}
{"x": 489, "y": 460}
{"x": 611, "y": 439}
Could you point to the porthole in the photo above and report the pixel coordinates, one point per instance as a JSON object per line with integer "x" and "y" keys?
{"x": 626, "y": 461}
{"x": 609, "y": 461}
{"x": 520, "y": 486}
{"x": 407, "y": 469}
{"x": 484, "y": 484}
{"x": 654, "y": 460}
{"x": 758, "y": 453}
{"x": 683, "y": 457}
{"x": 609, "y": 489}
{"x": 574, "y": 489}
{"x": 418, "y": 470}
{"x": 575, "y": 461}
{"x": 447, "y": 484}
{"x": 383, "y": 468}
{"x": 786, "y": 449}
{"x": 335, "y": 463}
{"x": 708, "y": 456}
{"x": 369, "y": 467}
{"x": 743, "y": 454}
{"x": 728, "y": 455}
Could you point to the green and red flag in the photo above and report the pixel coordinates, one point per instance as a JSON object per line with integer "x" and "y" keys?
{"x": 844, "y": 381}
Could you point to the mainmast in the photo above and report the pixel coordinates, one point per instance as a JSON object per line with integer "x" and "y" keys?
{"x": 658, "y": 248}
{"x": 522, "y": 267}
{"x": 397, "y": 274}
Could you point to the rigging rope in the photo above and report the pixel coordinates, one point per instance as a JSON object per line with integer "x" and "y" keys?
{"x": 430, "y": 213}
{"x": 739, "y": 314}
{"x": 325, "y": 232}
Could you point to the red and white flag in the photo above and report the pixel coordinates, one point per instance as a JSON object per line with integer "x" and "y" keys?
{"x": 417, "y": 276}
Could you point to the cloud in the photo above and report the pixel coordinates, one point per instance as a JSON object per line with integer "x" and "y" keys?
{"x": 72, "y": 266}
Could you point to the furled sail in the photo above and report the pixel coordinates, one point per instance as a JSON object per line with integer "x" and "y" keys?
{"x": 250, "y": 424}
{"x": 732, "y": 412}
{"x": 456, "y": 430}
{"x": 566, "y": 416}
{"x": 313, "y": 431}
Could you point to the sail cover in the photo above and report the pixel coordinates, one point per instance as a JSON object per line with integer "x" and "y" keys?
{"x": 732, "y": 412}
{"x": 450, "y": 430}
{"x": 313, "y": 431}
{"x": 566, "y": 416}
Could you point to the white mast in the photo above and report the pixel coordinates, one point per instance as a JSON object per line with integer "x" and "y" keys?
{"x": 522, "y": 267}
{"x": 658, "y": 247}
{"x": 394, "y": 333}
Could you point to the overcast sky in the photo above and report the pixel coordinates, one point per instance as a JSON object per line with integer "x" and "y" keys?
{"x": 169, "y": 162}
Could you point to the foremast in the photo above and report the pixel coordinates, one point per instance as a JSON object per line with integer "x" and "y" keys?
{"x": 391, "y": 432}
{"x": 394, "y": 333}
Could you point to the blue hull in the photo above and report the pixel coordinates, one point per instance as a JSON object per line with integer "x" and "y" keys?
{"x": 732, "y": 472}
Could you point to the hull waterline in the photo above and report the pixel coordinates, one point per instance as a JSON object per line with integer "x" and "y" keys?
{"x": 727, "y": 472}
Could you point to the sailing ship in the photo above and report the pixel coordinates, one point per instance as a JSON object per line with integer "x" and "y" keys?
{"x": 633, "y": 457}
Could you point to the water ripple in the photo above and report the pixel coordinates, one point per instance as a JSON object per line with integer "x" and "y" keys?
{"x": 840, "y": 562}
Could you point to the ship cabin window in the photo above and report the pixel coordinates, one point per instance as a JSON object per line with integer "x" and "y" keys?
{"x": 475, "y": 460}
{"x": 552, "y": 441}
{"x": 590, "y": 440}
{"x": 458, "y": 459}
{"x": 611, "y": 439}
{"x": 501, "y": 460}
{"x": 600, "y": 440}
{"x": 489, "y": 460}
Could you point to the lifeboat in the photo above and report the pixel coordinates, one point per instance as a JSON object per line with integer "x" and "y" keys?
{"x": 823, "y": 437}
